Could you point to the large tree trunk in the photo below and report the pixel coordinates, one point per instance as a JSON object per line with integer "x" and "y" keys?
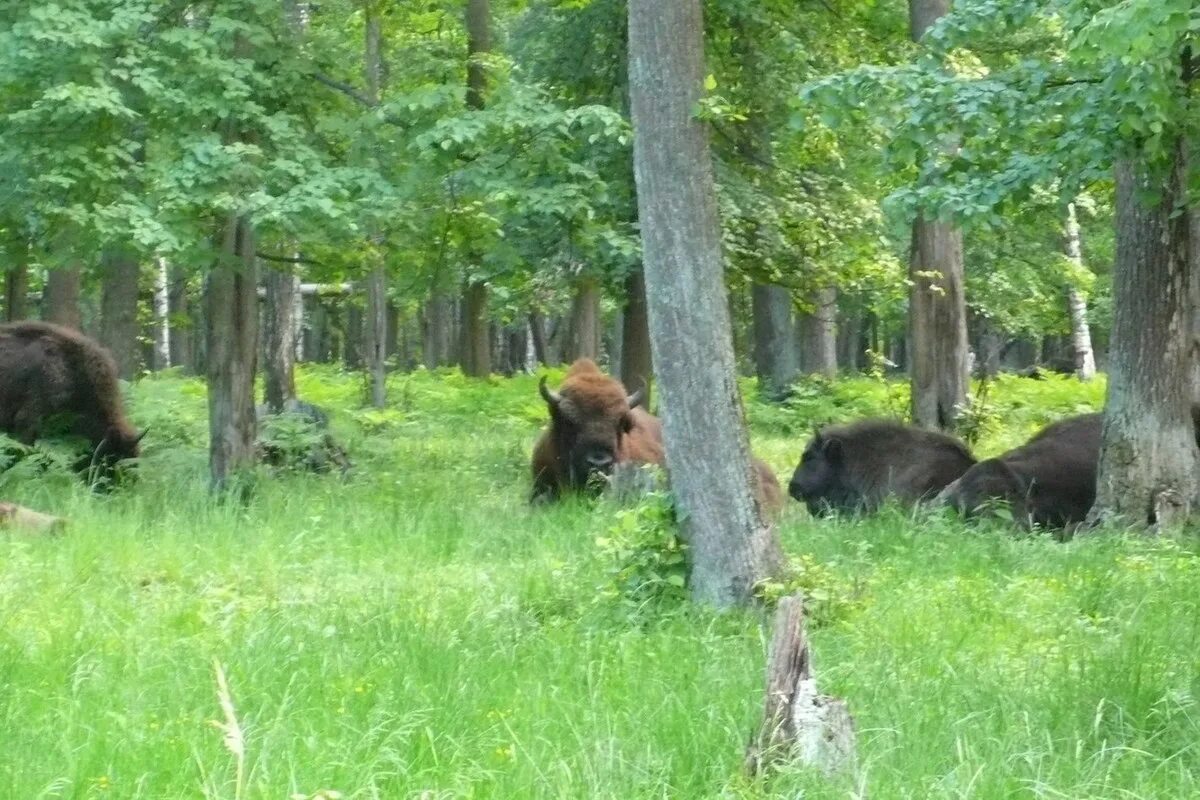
{"x": 637, "y": 365}
{"x": 776, "y": 359}
{"x": 439, "y": 330}
{"x": 818, "y": 335}
{"x": 231, "y": 335}
{"x": 537, "y": 331}
{"x": 476, "y": 349}
{"x": 731, "y": 547}
{"x": 376, "y": 328}
{"x": 279, "y": 369}
{"x": 937, "y": 344}
{"x": 476, "y": 341}
{"x": 585, "y": 320}
{"x": 1081, "y": 334}
{"x": 1149, "y": 465}
{"x": 16, "y": 292}
{"x": 162, "y": 316}
{"x": 60, "y": 300}
{"x": 119, "y": 309}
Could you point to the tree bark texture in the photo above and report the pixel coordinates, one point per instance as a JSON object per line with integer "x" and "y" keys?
{"x": 231, "y": 336}
{"x": 937, "y": 342}
{"x": 279, "y": 368}
{"x": 818, "y": 335}
{"x": 1081, "y": 334}
{"x": 776, "y": 359}
{"x": 537, "y": 332}
{"x": 1149, "y": 465}
{"x": 162, "y": 316}
{"x": 439, "y": 330}
{"x": 637, "y": 363}
{"x": 585, "y": 320}
{"x": 182, "y": 334}
{"x": 799, "y": 724}
{"x": 731, "y": 547}
{"x": 476, "y": 342}
{"x": 119, "y": 309}
{"x": 60, "y": 300}
{"x": 16, "y": 292}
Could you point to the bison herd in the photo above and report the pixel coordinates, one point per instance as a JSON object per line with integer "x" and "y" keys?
{"x": 55, "y": 381}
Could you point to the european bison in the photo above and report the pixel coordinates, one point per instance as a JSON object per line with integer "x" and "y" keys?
{"x": 56, "y": 381}
{"x": 856, "y": 467}
{"x": 595, "y": 425}
{"x": 1048, "y": 481}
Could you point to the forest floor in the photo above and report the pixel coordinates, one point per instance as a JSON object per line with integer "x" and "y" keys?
{"x": 416, "y": 630}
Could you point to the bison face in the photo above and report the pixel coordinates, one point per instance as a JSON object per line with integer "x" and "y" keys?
{"x": 588, "y": 434}
{"x": 818, "y": 479}
{"x": 116, "y": 446}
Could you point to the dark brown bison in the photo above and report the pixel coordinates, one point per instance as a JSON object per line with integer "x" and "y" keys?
{"x": 57, "y": 382}
{"x": 1048, "y": 481}
{"x": 856, "y": 467}
{"x": 595, "y": 425}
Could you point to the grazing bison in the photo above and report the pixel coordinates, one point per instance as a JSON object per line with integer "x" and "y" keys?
{"x": 856, "y": 467}
{"x": 595, "y": 425}
{"x": 1048, "y": 481}
{"x": 56, "y": 381}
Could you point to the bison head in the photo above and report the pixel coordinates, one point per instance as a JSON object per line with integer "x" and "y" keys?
{"x": 588, "y": 418}
{"x": 985, "y": 485}
{"x": 820, "y": 478}
{"x": 118, "y": 444}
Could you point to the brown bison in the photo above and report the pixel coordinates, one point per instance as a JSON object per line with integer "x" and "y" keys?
{"x": 57, "y": 382}
{"x": 595, "y": 425}
{"x": 1049, "y": 481}
{"x": 856, "y": 467}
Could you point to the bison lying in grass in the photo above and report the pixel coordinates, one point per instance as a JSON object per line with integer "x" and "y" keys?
{"x": 596, "y": 425}
{"x": 856, "y": 467}
{"x": 57, "y": 382}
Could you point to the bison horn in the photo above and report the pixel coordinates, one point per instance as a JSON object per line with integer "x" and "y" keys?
{"x": 552, "y": 398}
{"x": 141, "y": 435}
{"x": 637, "y": 397}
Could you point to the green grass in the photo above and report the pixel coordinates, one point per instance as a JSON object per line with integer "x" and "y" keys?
{"x": 417, "y": 631}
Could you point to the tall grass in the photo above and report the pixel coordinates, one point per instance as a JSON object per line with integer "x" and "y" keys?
{"x": 417, "y": 631}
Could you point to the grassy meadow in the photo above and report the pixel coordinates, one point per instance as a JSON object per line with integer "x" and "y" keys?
{"x": 416, "y": 630}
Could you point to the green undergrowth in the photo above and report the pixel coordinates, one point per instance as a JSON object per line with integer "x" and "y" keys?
{"x": 415, "y": 630}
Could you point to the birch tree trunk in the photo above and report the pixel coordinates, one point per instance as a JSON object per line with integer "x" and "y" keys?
{"x": 937, "y": 346}
{"x": 279, "y": 370}
{"x": 162, "y": 316}
{"x": 1149, "y": 465}
{"x": 231, "y": 352}
{"x": 1081, "y": 334}
{"x": 731, "y": 547}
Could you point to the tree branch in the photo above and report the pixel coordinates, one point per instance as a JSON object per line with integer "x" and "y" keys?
{"x": 287, "y": 259}
{"x": 345, "y": 89}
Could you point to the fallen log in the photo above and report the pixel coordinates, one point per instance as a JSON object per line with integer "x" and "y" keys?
{"x": 799, "y": 724}
{"x": 24, "y": 519}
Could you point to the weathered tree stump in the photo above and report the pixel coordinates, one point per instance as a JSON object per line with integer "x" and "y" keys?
{"x": 799, "y": 724}
{"x": 18, "y": 518}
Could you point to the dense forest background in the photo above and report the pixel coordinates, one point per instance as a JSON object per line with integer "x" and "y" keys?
{"x": 416, "y": 192}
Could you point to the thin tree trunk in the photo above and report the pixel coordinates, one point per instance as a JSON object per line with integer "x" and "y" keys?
{"x": 119, "y": 309}
{"x": 181, "y": 323}
{"x": 376, "y": 327}
{"x": 849, "y": 339}
{"x": 818, "y": 334}
{"x": 162, "y": 314}
{"x": 1081, "y": 334}
{"x": 60, "y": 300}
{"x": 231, "y": 334}
{"x": 537, "y": 330}
{"x": 279, "y": 367}
{"x": 937, "y": 346}
{"x": 731, "y": 546}
{"x": 1149, "y": 465}
{"x": 776, "y": 359}
{"x": 585, "y": 320}
{"x": 352, "y": 340}
{"x": 637, "y": 364}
